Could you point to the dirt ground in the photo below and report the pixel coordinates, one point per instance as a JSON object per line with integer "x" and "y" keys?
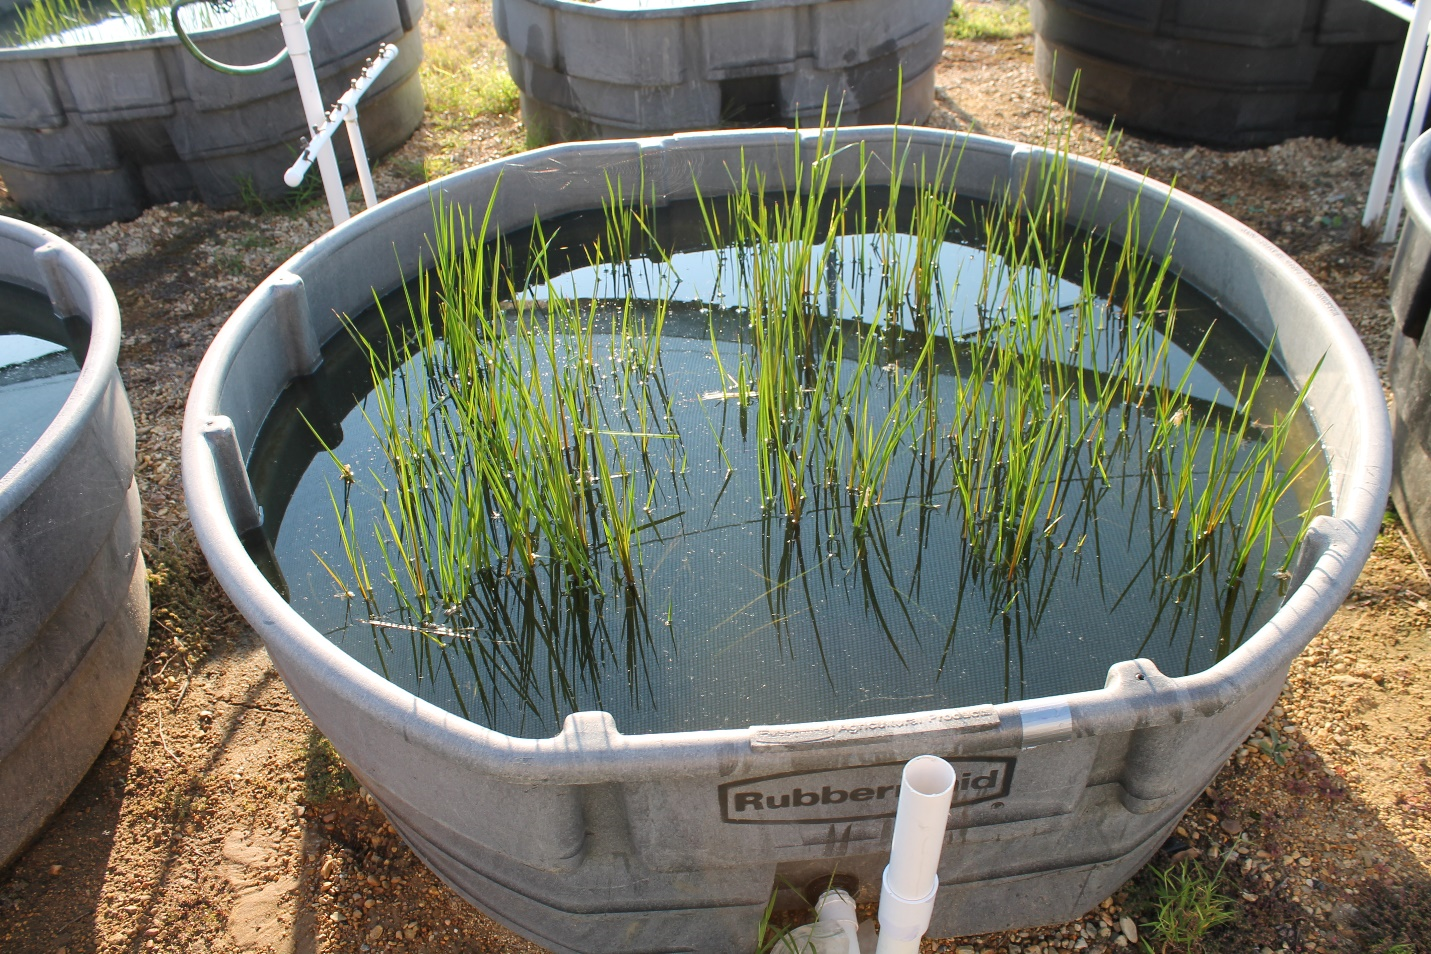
{"x": 218, "y": 820}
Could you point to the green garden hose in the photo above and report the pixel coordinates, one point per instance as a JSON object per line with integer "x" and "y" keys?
{"x": 213, "y": 64}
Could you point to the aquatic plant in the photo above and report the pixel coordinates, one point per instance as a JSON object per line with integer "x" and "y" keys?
{"x": 531, "y": 451}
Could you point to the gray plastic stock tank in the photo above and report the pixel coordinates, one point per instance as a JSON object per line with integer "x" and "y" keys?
{"x": 597, "y": 841}
{"x": 74, "y": 597}
{"x": 621, "y": 68}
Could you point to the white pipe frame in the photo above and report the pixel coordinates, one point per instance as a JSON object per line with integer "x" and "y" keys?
{"x": 1397, "y": 8}
{"x": 911, "y": 879}
{"x": 295, "y": 37}
{"x": 1396, "y": 133}
{"x": 345, "y": 112}
{"x": 1413, "y": 128}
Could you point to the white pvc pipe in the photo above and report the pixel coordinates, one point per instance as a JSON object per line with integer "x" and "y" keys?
{"x": 345, "y": 112}
{"x": 838, "y": 908}
{"x": 1413, "y": 55}
{"x": 299, "y": 53}
{"x": 360, "y": 156}
{"x": 912, "y": 877}
{"x": 835, "y": 930}
{"x": 1397, "y": 8}
{"x": 1413, "y": 129}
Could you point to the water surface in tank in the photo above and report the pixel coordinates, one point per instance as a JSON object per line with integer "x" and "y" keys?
{"x": 38, "y": 367}
{"x": 739, "y": 617}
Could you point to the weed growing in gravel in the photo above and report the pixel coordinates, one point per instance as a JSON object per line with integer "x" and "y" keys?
{"x": 1273, "y": 746}
{"x": 292, "y": 201}
{"x": 1189, "y": 905}
{"x": 769, "y": 939}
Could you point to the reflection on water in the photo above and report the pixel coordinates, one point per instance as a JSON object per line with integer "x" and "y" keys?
{"x": 38, "y": 368}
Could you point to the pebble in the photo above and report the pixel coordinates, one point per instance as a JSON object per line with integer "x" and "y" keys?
{"x": 375, "y": 933}
{"x": 1130, "y": 930}
{"x": 56, "y": 869}
{"x": 1231, "y": 825}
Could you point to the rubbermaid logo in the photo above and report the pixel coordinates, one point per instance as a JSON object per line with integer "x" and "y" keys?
{"x": 853, "y": 794}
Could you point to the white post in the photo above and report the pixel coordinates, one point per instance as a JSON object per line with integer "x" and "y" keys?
{"x": 912, "y": 876}
{"x": 360, "y": 156}
{"x": 1413, "y": 55}
{"x": 1413, "y": 129}
{"x": 299, "y": 52}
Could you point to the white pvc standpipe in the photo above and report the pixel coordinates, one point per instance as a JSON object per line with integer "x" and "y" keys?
{"x": 299, "y": 53}
{"x": 1413, "y": 56}
{"x": 912, "y": 877}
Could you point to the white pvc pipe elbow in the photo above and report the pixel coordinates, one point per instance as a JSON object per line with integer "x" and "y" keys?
{"x": 837, "y": 907}
{"x": 911, "y": 878}
{"x": 835, "y": 929}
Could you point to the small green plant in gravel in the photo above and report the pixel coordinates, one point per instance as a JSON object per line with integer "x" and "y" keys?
{"x": 1188, "y": 905}
{"x": 308, "y": 193}
{"x": 1273, "y": 746}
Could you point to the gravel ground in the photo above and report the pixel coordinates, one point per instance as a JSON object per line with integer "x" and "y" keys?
{"x": 219, "y": 821}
